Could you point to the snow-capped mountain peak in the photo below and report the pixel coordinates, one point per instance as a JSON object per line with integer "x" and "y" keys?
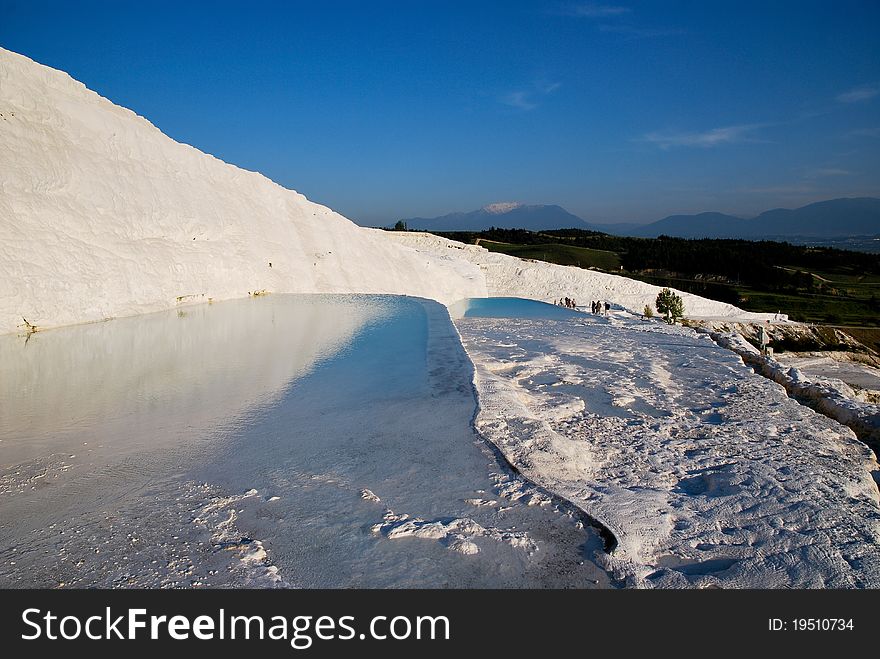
{"x": 501, "y": 207}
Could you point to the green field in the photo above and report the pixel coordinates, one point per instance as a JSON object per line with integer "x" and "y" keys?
{"x": 840, "y": 298}
{"x": 842, "y": 301}
{"x": 813, "y": 308}
{"x": 559, "y": 254}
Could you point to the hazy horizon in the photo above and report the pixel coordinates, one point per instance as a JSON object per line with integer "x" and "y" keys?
{"x": 634, "y": 222}
{"x": 616, "y": 111}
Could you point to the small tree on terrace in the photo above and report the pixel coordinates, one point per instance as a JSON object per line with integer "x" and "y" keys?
{"x": 670, "y": 305}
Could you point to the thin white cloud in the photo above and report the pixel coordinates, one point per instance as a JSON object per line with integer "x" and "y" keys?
{"x": 613, "y": 13}
{"x": 528, "y": 99}
{"x": 594, "y": 10}
{"x": 547, "y": 87}
{"x": 704, "y": 139}
{"x": 519, "y": 100}
{"x": 864, "y": 132}
{"x": 825, "y": 172}
{"x": 861, "y": 93}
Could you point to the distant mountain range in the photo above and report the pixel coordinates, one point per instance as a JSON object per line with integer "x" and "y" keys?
{"x": 835, "y": 218}
{"x": 508, "y": 215}
{"x": 824, "y": 219}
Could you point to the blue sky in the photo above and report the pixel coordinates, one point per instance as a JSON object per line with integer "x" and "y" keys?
{"x": 618, "y": 111}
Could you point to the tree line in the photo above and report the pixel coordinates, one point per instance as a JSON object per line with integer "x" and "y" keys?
{"x": 762, "y": 265}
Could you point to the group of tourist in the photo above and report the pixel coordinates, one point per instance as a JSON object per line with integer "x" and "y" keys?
{"x": 596, "y": 306}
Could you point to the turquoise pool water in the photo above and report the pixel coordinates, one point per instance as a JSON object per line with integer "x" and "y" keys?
{"x": 509, "y": 307}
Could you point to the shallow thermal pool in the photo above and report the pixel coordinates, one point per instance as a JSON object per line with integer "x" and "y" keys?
{"x": 509, "y": 307}
{"x": 315, "y": 441}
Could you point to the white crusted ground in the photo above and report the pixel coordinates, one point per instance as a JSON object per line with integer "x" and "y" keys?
{"x": 706, "y": 473}
{"x": 831, "y": 396}
{"x": 101, "y": 215}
